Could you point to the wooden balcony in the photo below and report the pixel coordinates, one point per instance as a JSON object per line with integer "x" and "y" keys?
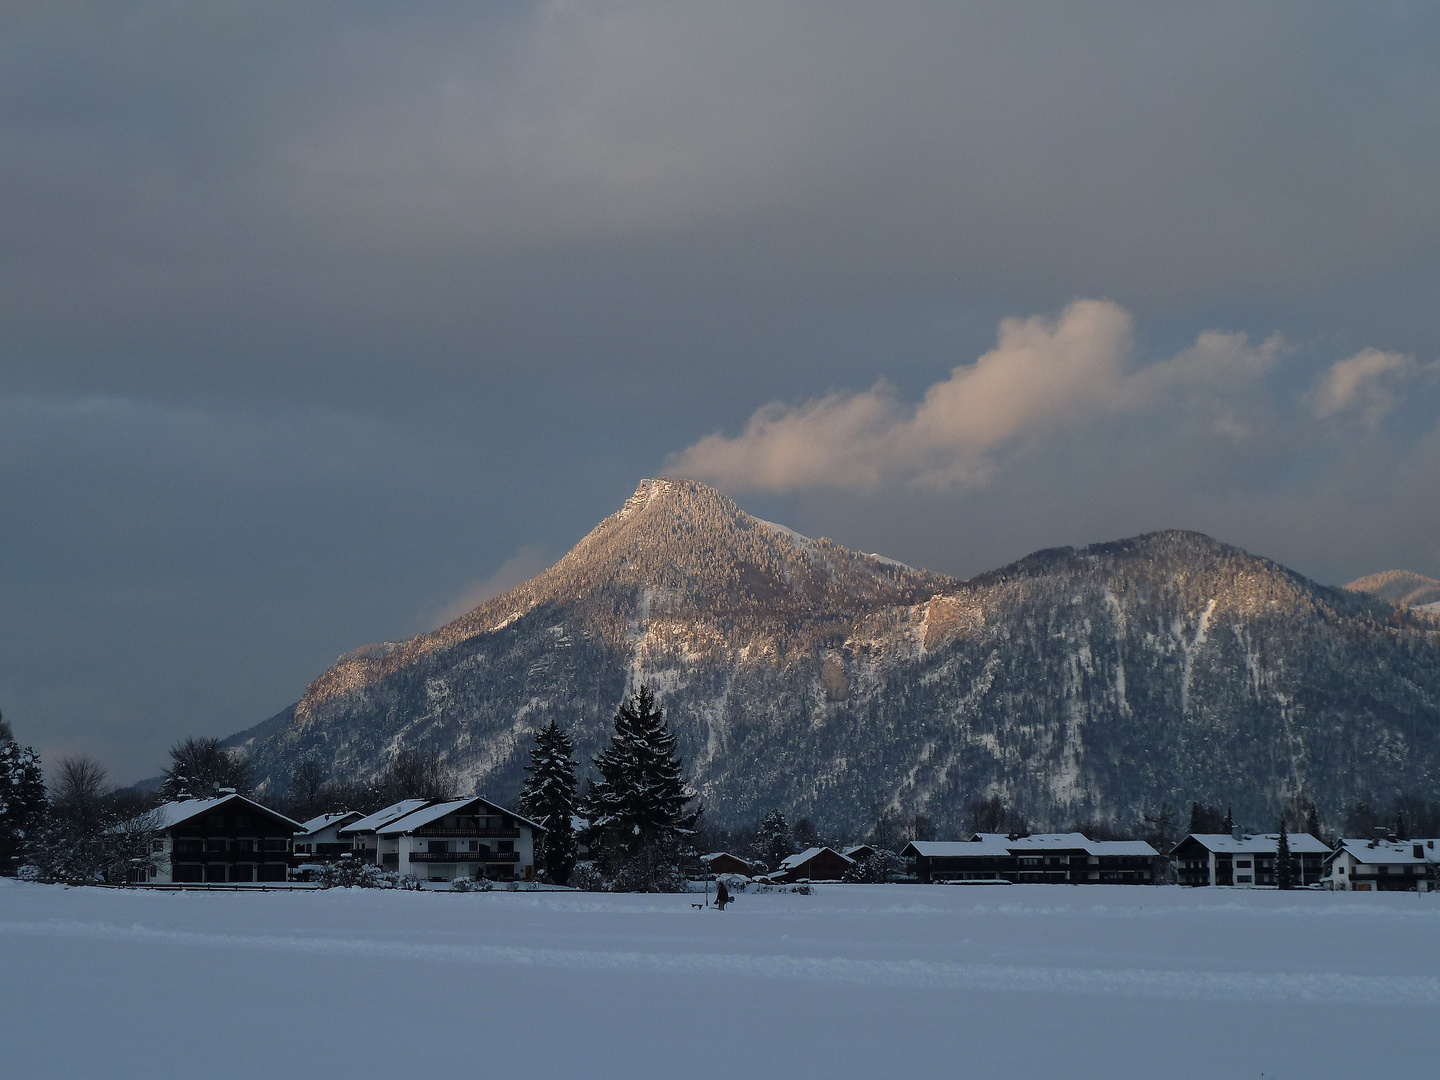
{"x": 501, "y": 834}
{"x": 464, "y": 856}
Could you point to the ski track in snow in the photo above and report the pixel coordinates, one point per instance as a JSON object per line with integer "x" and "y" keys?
{"x": 1270, "y": 987}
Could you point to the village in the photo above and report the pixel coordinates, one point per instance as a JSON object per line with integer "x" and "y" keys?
{"x": 234, "y": 841}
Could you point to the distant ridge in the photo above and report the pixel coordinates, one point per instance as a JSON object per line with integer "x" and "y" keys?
{"x": 1077, "y": 684}
{"x": 1401, "y": 587}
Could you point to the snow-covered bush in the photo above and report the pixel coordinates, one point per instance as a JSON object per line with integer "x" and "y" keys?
{"x": 588, "y": 878}
{"x": 466, "y": 884}
{"x": 349, "y": 872}
{"x": 876, "y": 869}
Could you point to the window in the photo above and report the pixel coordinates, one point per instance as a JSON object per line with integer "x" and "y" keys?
{"x": 1243, "y": 879}
{"x": 1342, "y": 869}
{"x": 507, "y": 845}
{"x": 157, "y": 845}
{"x": 1243, "y": 862}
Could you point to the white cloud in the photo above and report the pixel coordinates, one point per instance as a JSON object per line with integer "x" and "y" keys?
{"x": 1043, "y": 375}
{"x": 1367, "y": 383}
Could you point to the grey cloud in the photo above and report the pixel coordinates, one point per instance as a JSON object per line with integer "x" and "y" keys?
{"x": 312, "y": 316}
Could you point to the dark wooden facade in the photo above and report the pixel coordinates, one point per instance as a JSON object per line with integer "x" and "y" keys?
{"x": 722, "y": 862}
{"x": 825, "y": 864}
{"x": 232, "y": 840}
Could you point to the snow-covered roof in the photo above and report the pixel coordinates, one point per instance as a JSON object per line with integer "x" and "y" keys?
{"x": 383, "y": 817}
{"x": 1121, "y": 847}
{"x": 722, "y": 855}
{"x": 324, "y": 821}
{"x": 850, "y": 851}
{"x": 170, "y": 814}
{"x": 986, "y": 844}
{"x": 1391, "y": 852}
{"x": 1259, "y": 843}
{"x": 792, "y": 861}
{"x": 423, "y": 816}
{"x": 1050, "y": 841}
{"x": 999, "y": 845}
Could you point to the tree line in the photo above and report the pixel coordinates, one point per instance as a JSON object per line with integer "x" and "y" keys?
{"x": 636, "y": 818}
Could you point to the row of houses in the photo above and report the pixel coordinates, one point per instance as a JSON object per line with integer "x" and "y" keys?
{"x": 1052, "y": 858}
{"x": 233, "y": 838}
{"x": 1236, "y": 859}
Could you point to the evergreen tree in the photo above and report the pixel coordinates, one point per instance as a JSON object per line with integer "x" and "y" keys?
{"x": 639, "y": 807}
{"x": 1284, "y": 864}
{"x": 1206, "y": 819}
{"x": 201, "y": 767}
{"x": 1229, "y": 820}
{"x": 549, "y": 797}
{"x": 773, "y": 839}
{"x": 1312, "y": 823}
{"x": 22, "y": 797}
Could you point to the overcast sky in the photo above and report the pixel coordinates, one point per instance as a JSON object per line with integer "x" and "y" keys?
{"x": 320, "y": 322}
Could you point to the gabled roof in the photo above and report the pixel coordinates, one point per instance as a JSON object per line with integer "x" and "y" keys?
{"x": 1391, "y": 852}
{"x": 425, "y": 815}
{"x": 324, "y": 821}
{"x": 371, "y": 822}
{"x": 722, "y": 855}
{"x": 171, "y": 814}
{"x": 1257, "y": 843}
{"x": 800, "y": 859}
{"x": 850, "y": 851}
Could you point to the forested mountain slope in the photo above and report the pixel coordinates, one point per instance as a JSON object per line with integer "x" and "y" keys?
{"x": 1076, "y": 684}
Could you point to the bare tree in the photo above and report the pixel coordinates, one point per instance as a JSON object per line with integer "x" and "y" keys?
{"x": 81, "y": 794}
{"x": 416, "y": 775}
{"x": 308, "y": 789}
{"x": 201, "y": 767}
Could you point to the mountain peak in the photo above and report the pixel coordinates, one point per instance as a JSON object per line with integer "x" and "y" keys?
{"x": 676, "y": 549}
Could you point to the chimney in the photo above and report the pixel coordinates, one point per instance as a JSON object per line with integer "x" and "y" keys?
{"x": 1235, "y": 832}
{"x": 226, "y": 791}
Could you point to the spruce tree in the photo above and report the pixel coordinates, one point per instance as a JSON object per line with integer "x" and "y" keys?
{"x": 639, "y": 807}
{"x": 549, "y": 798}
{"x": 22, "y": 798}
{"x": 1229, "y": 820}
{"x": 773, "y": 840}
{"x": 1284, "y": 865}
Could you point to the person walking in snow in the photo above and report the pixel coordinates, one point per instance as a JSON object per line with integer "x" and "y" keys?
{"x": 722, "y": 894}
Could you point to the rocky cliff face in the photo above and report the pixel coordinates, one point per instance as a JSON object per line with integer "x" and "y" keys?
{"x": 1075, "y": 684}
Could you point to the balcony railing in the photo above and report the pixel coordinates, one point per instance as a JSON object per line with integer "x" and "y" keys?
{"x": 464, "y": 856}
{"x": 503, "y": 834}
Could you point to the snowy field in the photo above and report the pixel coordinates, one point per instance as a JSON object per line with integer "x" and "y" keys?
{"x": 907, "y": 981}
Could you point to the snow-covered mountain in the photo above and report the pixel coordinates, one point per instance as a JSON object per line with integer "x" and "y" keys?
{"x": 1075, "y": 684}
{"x": 1402, "y": 587}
